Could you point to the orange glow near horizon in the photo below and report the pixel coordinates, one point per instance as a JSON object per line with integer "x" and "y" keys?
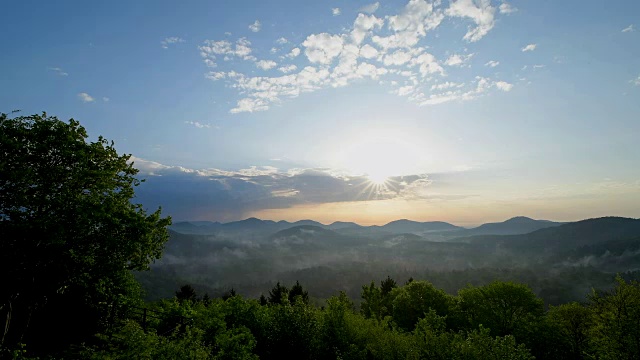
{"x": 468, "y": 212}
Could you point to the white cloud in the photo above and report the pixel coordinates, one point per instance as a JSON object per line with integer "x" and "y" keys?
{"x": 428, "y": 64}
{"x": 435, "y": 99}
{"x": 322, "y": 48}
{"x": 371, "y": 8}
{"x": 506, "y": 8}
{"x": 336, "y": 11}
{"x": 294, "y": 53}
{"x": 412, "y": 17}
{"x": 171, "y": 40}
{"x": 369, "y": 70}
{"x": 211, "y": 49}
{"x": 538, "y": 66}
{"x": 362, "y": 25}
{"x": 368, "y": 52}
{"x": 198, "y": 124}
{"x": 504, "y": 86}
{"x": 243, "y": 49}
{"x": 458, "y": 60}
{"x": 388, "y": 50}
{"x": 266, "y": 64}
{"x": 405, "y": 90}
{"x": 408, "y": 27}
{"x": 456, "y": 91}
{"x": 58, "y": 71}
{"x": 274, "y": 50}
{"x": 629, "y": 28}
{"x": 249, "y": 105}
{"x": 215, "y": 75}
{"x": 288, "y": 68}
{"x": 636, "y": 81}
{"x": 480, "y": 11}
{"x": 446, "y": 85}
{"x": 398, "y": 57}
{"x": 405, "y": 39}
{"x": 256, "y": 26}
{"x": 105, "y": 99}
{"x": 261, "y": 91}
{"x": 529, "y": 47}
{"x": 242, "y": 192}
{"x": 346, "y": 67}
{"x": 86, "y": 98}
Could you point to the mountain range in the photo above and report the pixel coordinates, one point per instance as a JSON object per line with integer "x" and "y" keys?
{"x": 563, "y": 259}
{"x": 433, "y": 229}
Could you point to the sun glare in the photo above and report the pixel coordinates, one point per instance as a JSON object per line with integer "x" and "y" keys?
{"x": 381, "y": 157}
{"x": 378, "y": 179}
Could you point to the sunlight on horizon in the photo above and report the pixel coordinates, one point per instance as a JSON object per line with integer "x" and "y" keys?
{"x": 381, "y": 154}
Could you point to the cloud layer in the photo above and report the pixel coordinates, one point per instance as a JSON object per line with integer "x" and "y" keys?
{"x": 388, "y": 49}
{"x": 214, "y": 193}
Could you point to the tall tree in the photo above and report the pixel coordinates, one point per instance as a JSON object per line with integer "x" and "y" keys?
{"x": 616, "y": 321}
{"x": 506, "y": 308}
{"x": 411, "y": 302}
{"x": 69, "y": 232}
{"x": 187, "y": 293}
{"x": 278, "y": 294}
{"x": 297, "y": 290}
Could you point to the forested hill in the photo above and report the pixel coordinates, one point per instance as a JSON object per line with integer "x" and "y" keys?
{"x": 564, "y": 237}
{"x": 513, "y": 226}
{"x": 516, "y": 225}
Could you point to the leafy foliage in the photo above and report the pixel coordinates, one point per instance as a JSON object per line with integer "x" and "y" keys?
{"x": 504, "y": 307}
{"x": 69, "y": 233}
{"x": 615, "y": 333}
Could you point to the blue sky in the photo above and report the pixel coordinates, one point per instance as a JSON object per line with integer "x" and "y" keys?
{"x": 464, "y": 111}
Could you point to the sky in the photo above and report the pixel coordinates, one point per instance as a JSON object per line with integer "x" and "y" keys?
{"x": 465, "y": 111}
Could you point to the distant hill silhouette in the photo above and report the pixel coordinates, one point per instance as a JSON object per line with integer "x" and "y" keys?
{"x": 343, "y": 225}
{"x": 409, "y": 226}
{"x": 565, "y": 237}
{"x": 513, "y": 226}
{"x": 538, "y": 232}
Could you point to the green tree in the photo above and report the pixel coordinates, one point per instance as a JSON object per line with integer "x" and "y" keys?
{"x": 186, "y": 293}
{"x": 572, "y": 323}
{"x": 278, "y": 294}
{"x": 298, "y": 291}
{"x": 69, "y": 232}
{"x": 387, "y": 285}
{"x": 616, "y": 315}
{"x": 262, "y": 300}
{"x": 506, "y": 308}
{"x": 412, "y": 301}
{"x": 371, "y": 306}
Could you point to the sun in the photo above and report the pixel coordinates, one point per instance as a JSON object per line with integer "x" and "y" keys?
{"x": 381, "y": 157}
{"x": 378, "y": 178}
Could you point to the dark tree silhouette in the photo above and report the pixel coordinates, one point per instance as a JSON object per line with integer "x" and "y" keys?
{"x": 229, "y": 294}
{"x": 278, "y": 294}
{"x": 69, "y": 233}
{"x": 387, "y": 285}
{"x": 186, "y": 293}
{"x": 297, "y": 290}
{"x": 263, "y": 300}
